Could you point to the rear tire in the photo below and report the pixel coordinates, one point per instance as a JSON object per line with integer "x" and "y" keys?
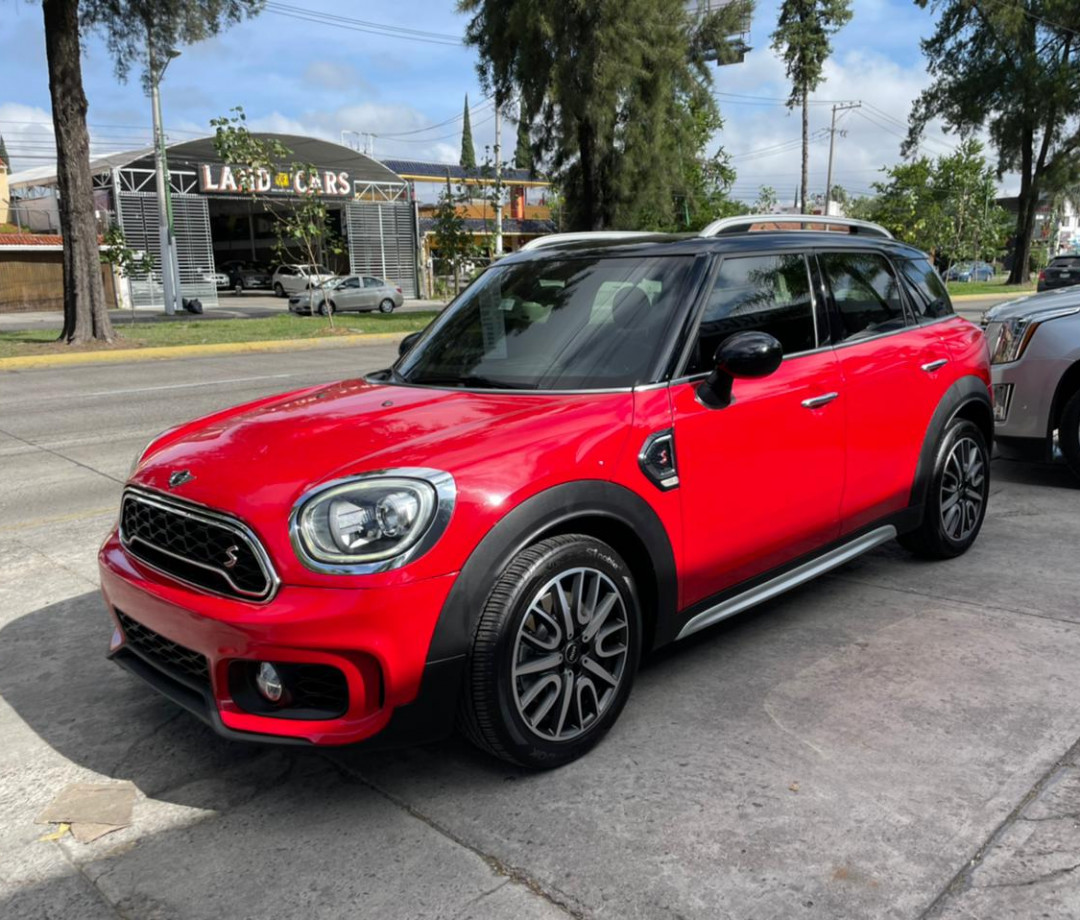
{"x": 1069, "y": 433}
{"x": 387, "y": 306}
{"x": 957, "y": 495}
{"x": 279, "y": 291}
{"x": 554, "y": 655}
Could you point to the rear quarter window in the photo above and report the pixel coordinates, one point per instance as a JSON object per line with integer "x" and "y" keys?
{"x": 929, "y": 298}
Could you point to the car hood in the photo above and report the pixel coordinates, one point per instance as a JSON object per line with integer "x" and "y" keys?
{"x": 257, "y": 460}
{"x": 1033, "y": 305}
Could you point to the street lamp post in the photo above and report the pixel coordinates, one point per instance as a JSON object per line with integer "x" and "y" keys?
{"x": 170, "y": 269}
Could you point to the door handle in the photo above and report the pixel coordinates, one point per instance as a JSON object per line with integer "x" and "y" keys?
{"x": 816, "y": 402}
{"x": 935, "y": 365}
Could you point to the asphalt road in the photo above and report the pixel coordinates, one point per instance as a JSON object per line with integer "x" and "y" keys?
{"x": 898, "y": 740}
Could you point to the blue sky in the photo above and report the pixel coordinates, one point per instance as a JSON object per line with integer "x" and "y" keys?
{"x": 321, "y": 78}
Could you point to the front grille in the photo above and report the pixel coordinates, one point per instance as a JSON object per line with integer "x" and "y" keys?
{"x": 195, "y": 546}
{"x": 174, "y": 659}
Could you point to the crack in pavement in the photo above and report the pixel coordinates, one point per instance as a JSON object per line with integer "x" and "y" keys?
{"x": 61, "y": 456}
{"x": 1049, "y": 876}
{"x": 961, "y": 881}
{"x": 557, "y": 899}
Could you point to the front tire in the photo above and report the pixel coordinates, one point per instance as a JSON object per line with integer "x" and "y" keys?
{"x": 1069, "y": 433}
{"x": 279, "y": 291}
{"x": 325, "y": 308}
{"x": 555, "y": 653}
{"x": 956, "y": 499}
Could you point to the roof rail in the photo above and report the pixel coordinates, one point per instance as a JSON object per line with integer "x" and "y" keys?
{"x": 744, "y": 222}
{"x": 555, "y": 239}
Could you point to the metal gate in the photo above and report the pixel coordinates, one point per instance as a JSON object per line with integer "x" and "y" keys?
{"x": 382, "y": 242}
{"x": 141, "y": 222}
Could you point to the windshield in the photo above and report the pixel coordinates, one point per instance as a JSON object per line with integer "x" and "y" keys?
{"x": 575, "y": 323}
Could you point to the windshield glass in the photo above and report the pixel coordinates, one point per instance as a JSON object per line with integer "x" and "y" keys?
{"x": 574, "y": 323}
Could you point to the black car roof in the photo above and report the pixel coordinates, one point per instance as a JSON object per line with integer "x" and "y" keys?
{"x": 686, "y": 244}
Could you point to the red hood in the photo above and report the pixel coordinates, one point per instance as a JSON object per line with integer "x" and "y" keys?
{"x": 256, "y": 460}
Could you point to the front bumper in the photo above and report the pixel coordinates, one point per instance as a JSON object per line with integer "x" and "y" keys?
{"x": 377, "y": 639}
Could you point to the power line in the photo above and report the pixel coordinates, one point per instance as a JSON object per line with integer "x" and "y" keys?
{"x": 359, "y": 25}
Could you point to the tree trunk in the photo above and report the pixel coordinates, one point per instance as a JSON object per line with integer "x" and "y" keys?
{"x": 590, "y": 214}
{"x": 805, "y": 151}
{"x": 1026, "y": 205}
{"x": 85, "y": 314}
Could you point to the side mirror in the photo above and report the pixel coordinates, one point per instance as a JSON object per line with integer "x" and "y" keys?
{"x": 745, "y": 354}
{"x": 407, "y": 343}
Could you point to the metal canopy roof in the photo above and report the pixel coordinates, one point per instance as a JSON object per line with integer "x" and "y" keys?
{"x": 190, "y": 154}
{"x": 422, "y": 171}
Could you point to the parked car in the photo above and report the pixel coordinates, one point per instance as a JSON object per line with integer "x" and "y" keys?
{"x": 1063, "y": 271}
{"x": 357, "y": 293}
{"x": 291, "y": 279}
{"x": 218, "y": 279}
{"x": 970, "y": 271}
{"x": 1035, "y": 355}
{"x": 604, "y": 445}
{"x": 247, "y": 276}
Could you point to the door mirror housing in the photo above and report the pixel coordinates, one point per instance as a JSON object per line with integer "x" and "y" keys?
{"x": 407, "y": 343}
{"x": 745, "y": 354}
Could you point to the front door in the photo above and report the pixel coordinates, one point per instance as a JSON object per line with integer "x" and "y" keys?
{"x": 893, "y": 371}
{"x": 760, "y": 479}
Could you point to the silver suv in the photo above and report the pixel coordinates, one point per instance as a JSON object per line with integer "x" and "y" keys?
{"x": 1035, "y": 356}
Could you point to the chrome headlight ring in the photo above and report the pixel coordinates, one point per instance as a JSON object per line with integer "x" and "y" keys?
{"x": 312, "y": 532}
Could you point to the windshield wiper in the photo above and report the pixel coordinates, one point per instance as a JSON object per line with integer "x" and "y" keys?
{"x": 472, "y": 381}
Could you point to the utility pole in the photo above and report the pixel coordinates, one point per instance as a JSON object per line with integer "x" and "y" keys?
{"x": 170, "y": 269}
{"x": 832, "y": 143}
{"x": 498, "y": 179}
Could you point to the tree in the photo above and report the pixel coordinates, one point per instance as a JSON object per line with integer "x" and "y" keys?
{"x": 523, "y": 155}
{"x": 303, "y": 226}
{"x": 802, "y": 38}
{"x": 452, "y": 241}
{"x": 130, "y": 27}
{"x": 944, "y": 206}
{"x": 613, "y": 88}
{"x": 766, "y": 200}
{"x": 1012, "y": 68}
{"x": 468, "y": 151}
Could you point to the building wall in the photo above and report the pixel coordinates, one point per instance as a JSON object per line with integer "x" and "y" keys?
{"x": 31, "y": 281}
{"x": 5, "y": 196}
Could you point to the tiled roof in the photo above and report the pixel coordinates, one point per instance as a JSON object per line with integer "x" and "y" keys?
{"x": 30, "y": 239}
{"x": 539, "y": 227}
{"x": 438, "y": 171}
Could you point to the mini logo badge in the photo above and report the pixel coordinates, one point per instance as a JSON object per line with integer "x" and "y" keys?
{"x": 230, "y": 556}
{"x": 179, "y": 477}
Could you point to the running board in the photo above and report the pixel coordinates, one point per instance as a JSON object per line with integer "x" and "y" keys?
{"x": 781, "y": 583}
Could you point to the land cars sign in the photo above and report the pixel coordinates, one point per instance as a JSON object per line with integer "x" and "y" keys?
{"x": 239, "y": 180}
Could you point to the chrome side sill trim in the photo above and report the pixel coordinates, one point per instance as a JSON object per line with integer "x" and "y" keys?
{"x": 787, "y": 581}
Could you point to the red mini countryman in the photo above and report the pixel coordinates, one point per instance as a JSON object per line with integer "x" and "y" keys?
{"x": 608, "y": 442}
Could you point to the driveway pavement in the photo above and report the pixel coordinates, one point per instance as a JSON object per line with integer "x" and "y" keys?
{"x": 898, "y": 740}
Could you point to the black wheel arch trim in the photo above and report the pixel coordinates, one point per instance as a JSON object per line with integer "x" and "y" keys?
{"x": 966, "y": 391}
{"x": 542, "y": 513}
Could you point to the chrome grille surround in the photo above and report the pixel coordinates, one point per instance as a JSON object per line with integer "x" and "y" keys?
{"x": 159, "y": 531}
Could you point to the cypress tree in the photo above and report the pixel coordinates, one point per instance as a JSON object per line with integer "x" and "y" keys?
{"x": 468, "y": 154}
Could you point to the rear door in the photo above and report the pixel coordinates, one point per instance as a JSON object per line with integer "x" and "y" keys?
{"x": 760, "y": 480}
{"x": 893, "y": 370}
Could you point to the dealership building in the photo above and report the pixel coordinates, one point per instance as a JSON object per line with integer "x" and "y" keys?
{"x": 217, "y": 220}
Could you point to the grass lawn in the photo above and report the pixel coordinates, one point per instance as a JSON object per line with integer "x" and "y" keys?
{"x": 996, "y": 286}
{"x": 190, "y": 330}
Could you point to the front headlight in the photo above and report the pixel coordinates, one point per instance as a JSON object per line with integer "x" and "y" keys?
{"x": 373, "y": 522}
{"x": 1012, "y": 336}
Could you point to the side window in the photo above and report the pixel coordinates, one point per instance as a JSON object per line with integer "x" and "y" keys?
{"x": 351, "y": 283}
{"x": 929, "y": 297}
{"x": 758, "y": 294}
{"x": 372, "y": 282}
{"x": 866, "y": 293}
{"x": 285, "y": 270}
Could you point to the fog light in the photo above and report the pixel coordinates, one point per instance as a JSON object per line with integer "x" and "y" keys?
{"x": 269, "y": 682}
{"x": 1002, "y": 398}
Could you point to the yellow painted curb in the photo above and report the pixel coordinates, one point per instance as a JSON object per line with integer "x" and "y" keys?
{"x": 27, "y": 362}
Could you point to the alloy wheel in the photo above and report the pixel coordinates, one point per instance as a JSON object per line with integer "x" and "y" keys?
{"x": 962, "y": 489}
{"x": 570, "y": 654}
